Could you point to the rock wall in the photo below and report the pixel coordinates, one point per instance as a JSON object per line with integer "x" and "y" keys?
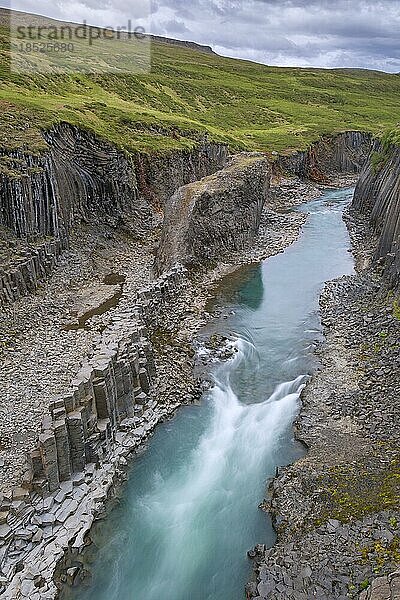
{"x": 343, "y": 153}
{"x": 79, "y": 178}
{"x": 83, "y": 178}
{"x": 36, "y": 263}
{"x": 81, "y": 427}
{"x": 160, "y": 175}
{"x": 378, "y": 195}
{"x": 215, "y": 215}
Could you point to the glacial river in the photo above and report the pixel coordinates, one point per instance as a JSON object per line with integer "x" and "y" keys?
{"x": 190, "y": 512}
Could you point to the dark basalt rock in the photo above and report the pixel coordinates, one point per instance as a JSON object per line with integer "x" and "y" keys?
{"x": 83, "y": 178}
{"x": 160, "y": 175}
{"x": 343, "y": 153}
{"x": 215, "y": 215}
{"x": 378, "y": 195}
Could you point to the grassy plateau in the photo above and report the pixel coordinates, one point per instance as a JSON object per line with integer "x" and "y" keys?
{"x": 188, "y": 93}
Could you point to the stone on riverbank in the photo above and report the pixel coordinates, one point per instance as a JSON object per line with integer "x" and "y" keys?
{"x": 337, "y": 510}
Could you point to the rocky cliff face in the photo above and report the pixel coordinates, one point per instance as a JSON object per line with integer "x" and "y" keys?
{"x": 79, "y": 178}
{"x": 159, "y": 176}
{"x": 83, "y": 178}
{"x": 217, "y": 214}
{"x": 378, "y": 195}
{"x": 344, "y": 153}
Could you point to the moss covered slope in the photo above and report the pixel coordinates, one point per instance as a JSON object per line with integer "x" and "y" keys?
{"x": 187, "y": 93}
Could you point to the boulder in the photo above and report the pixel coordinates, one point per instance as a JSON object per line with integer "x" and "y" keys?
{"x": 215, "y": 215}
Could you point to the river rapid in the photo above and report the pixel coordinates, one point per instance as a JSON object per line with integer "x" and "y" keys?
{"x": 189, "y": 511}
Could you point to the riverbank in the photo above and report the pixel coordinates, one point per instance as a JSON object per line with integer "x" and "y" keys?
{"x": 39, "y": 322}
{"x": 198, "y": 461}
{"x": 336, "y": 511}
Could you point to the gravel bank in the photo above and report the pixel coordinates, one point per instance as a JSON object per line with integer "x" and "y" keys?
{"x": 38, "y": 356}
{"x": 336, "y": 511}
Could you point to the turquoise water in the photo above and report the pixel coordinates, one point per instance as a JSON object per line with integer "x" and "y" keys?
{"x": 189, "y": 512}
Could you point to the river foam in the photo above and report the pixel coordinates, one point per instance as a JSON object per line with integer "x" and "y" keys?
{"x": 189, "y": 512}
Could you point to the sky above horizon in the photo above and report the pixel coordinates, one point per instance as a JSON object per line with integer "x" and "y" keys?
{"x": 320, "y": 33}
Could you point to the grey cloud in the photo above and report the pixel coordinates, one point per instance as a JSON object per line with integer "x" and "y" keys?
{"x": 326, "y": 33}
{"x": 174, "y": 27}
{"x": 312, "y": 32}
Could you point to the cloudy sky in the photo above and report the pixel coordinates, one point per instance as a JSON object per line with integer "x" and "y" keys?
{"x": 323, "y": 33}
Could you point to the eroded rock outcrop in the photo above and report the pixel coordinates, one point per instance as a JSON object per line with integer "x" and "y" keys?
{"x": 378, "y": 195}
{"x": 160, "y": 175}
{"x": 215, "y": 215}
{"x": 111, "y": 387}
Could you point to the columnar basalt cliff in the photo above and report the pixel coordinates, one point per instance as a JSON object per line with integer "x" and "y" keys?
{"x": 111, "y": 387}
{"x": 217, "y": 214}
{"x": 22, "y": 271}
{"x": 81, "y": 428}
{"x": 160, "y": 175}
{"x": 79, "y": 178}
{"x": 82, "y": 178}
{"x": 343, "y": 153}
{"x": 378, "y": 195}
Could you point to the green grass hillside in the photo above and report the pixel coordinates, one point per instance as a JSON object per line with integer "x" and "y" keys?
{"x": 392, "y": 136}
{"x": 187, "y": 93}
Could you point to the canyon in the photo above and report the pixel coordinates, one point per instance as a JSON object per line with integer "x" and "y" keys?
{"x": 82, "y": 400}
